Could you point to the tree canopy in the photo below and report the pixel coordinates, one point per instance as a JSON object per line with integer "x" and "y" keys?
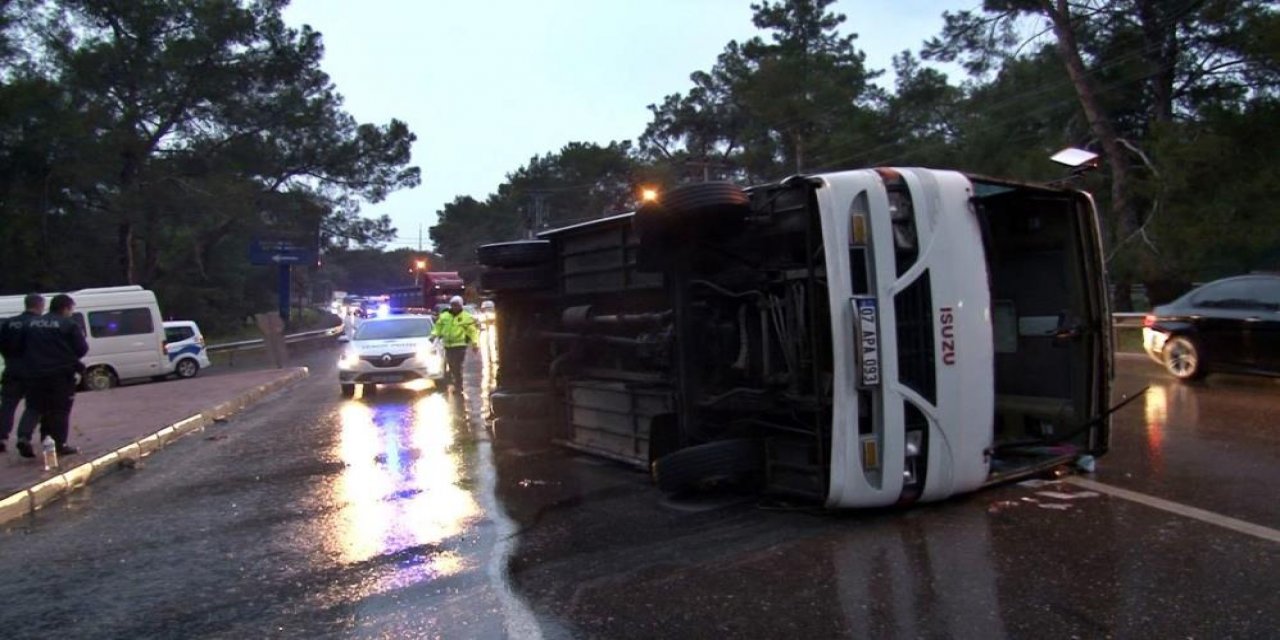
{"x": 146, "y": 141}
{"x": 1179, "y": 97}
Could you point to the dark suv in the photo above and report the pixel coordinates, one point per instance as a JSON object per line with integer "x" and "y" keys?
{"x": 1229, "y": 325}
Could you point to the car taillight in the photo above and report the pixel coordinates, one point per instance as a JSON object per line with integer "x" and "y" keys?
{"x": 1148, "y": 320}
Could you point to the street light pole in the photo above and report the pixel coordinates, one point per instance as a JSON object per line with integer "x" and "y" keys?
{"x": 420, "y": 265}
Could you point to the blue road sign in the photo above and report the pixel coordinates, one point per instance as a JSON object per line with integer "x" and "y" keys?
{"x": 281, "y": 250}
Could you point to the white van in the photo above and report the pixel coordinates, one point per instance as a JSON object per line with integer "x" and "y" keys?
{"x": 124, "y": 329}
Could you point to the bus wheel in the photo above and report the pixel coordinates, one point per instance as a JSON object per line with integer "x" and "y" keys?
{"x": 522, "y": 404}
{"x": 718, "y": 462}
{"x": 723, "y": 203}
{"x": 517, "y": 279}
{"x": 523, "y": 434}
{"x": 520, "y": 253}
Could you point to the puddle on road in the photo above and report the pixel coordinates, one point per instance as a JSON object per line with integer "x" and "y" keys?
{"x": 403, "y": 492}
{"x": 412, "y": 513}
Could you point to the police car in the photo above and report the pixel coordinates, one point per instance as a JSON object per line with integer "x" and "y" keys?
{"x": 389, "y": 350}
{"x": 185, "y": 348}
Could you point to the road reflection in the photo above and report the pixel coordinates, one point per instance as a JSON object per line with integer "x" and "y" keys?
{"x": 488, "y": 369}
{"x": 1156, "y": 416}
{"x": 404, "y": 490}
{"x": 1166, "y": 406}
{"x": 882, "y": 578}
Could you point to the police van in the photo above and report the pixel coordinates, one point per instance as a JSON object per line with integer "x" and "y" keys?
{"x": 124, "y": 329}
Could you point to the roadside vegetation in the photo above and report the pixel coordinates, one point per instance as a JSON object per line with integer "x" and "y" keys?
{"x": 1178, "y": 97}
{"x": 147, "y": 142}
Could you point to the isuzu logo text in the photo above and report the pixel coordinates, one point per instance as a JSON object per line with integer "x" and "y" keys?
{"x": 947, "y": 320}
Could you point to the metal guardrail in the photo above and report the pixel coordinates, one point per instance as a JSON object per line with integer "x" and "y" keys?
{"x": 257, "y": 343}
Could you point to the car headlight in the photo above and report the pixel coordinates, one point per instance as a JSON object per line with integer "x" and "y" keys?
{"x": 348, "y": 359}
{"x": 430, "y": 356}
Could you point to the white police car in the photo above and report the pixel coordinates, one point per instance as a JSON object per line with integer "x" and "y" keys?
{"x": 389, "y": 350}
{"x": 185, "y": 348}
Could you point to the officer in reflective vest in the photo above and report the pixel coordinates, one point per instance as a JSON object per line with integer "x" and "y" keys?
{"x": 458, "y": 330}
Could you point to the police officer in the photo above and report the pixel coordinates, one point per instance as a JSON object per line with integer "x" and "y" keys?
{"x": 55, "y": 344}
{"x": 457, "y": 329}
{"x": 12, "y": 387}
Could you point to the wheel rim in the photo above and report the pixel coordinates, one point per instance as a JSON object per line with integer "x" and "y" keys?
{"x": 1182, "y": 359}
{"x": 186, "y": 368}
{"x": 99, "y": 380}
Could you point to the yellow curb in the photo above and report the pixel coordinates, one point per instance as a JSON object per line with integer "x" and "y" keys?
{"x": 103, "y": 465}
{"x": 47, "y": 491}
{"x": 129, "y": 452}
{"x": 79, "y": 476}
{"x": 15, "y": 506}
{"x": 148, "y": 444}
{"x": 194, "y": 423}
{"x": 166, "y": 435}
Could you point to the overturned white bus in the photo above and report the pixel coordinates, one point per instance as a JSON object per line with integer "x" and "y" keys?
{"x": 858, "y": 339}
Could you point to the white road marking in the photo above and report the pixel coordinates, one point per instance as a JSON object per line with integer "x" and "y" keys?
{"x": 519, "y": 620}
{"x": 1058, "y": 495}
{"x": 1217, "y": 519}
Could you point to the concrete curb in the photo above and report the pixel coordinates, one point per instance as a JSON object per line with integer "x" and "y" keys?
{"x": 26, "y": 501}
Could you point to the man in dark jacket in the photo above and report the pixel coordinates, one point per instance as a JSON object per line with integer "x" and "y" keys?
{"x": 12, "y": 385}
{"x": 55, "y": 344}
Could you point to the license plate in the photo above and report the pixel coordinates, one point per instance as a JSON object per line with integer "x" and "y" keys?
{"x": 386, "y": 379}
{"x": 868, "y": 336}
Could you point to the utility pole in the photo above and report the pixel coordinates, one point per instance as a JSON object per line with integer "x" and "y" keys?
{"x": 706, "y": 164}
{"x": 537, "y": 220}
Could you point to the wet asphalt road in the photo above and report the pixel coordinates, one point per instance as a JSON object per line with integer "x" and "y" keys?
{"x": 392, "y": 516}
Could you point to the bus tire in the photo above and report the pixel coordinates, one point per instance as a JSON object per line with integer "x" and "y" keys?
{"x": 523, "y": 434}
{"x": 720, "y": 461}
{"x": 722, "y": 203}
{"x": 521, "y": 404}
{"x": 517, "y": 279}
{"x": 520, "y": 253}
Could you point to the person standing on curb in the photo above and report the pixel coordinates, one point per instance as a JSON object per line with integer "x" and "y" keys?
{"x": 457, "y": 329}
{"x": 55, "y": 344}
{"x": 12, "y": 383}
